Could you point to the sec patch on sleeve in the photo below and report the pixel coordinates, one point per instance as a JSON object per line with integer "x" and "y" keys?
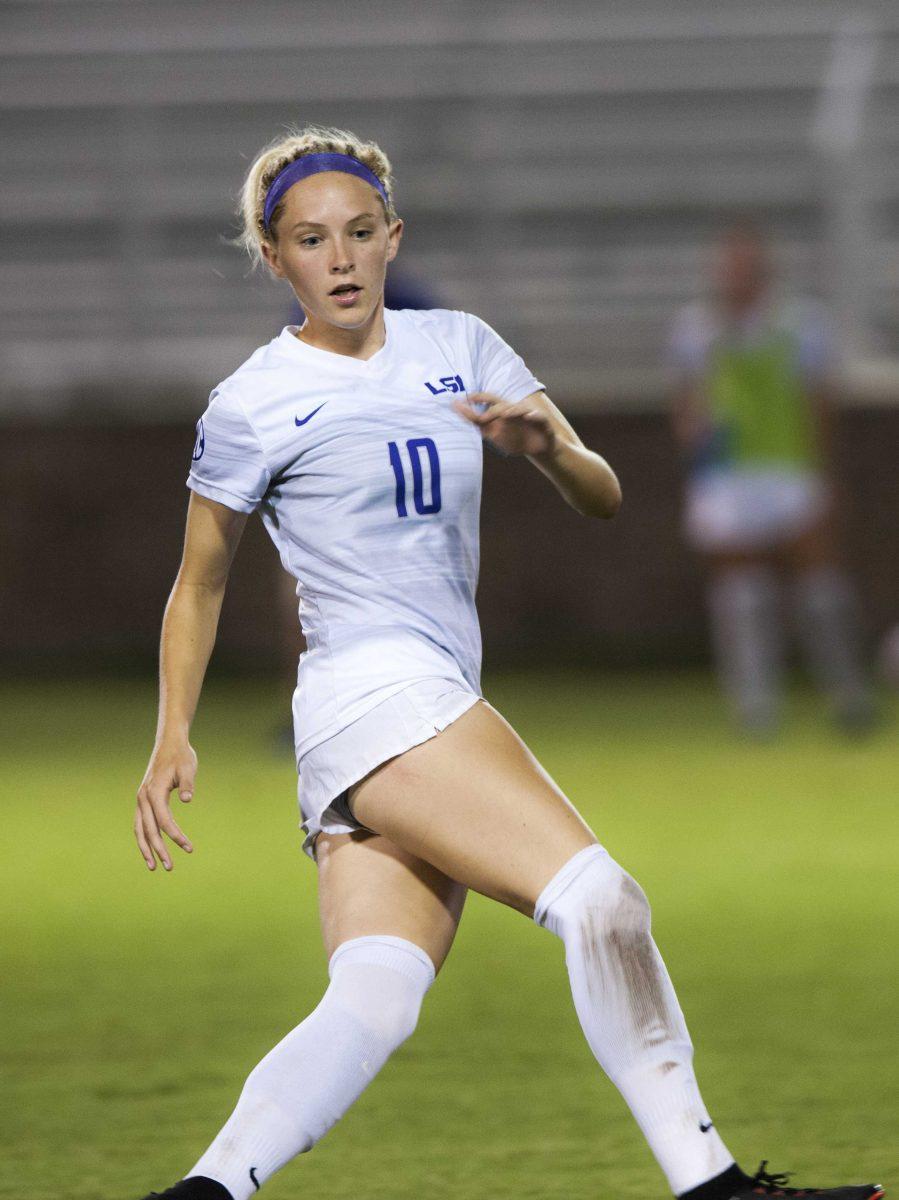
{"x": 200, "y": 443}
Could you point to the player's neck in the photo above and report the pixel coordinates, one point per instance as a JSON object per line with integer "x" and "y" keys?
{"x": 355, "y": 343}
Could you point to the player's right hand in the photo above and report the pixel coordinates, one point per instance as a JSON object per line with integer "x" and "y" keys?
{"x": 170, "y": 767}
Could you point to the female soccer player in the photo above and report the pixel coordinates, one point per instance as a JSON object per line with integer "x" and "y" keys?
{"x": 753, "y": 415}
{"x": 358, "y": 437}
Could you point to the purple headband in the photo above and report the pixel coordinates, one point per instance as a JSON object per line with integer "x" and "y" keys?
{"x": 312, "y": 164}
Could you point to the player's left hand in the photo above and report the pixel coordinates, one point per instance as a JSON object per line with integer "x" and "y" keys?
{"x": 512, "y": 428}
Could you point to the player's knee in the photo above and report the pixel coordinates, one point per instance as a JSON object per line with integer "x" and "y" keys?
{"x": 396, "y": 1019}
{"x": 603, "y": 903}
{"x": 616, "y": 910}
{"x": 632, "y": 911}
{"x": 389, "y": 1017}
{"x": 381, "y": 983}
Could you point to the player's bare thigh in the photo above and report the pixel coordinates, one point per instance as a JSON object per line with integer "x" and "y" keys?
{"x": 367, "y": 886}
{"x": 719, "y": 562}
{"x": 475, "y": 802}
{"x": 814, "y": 548}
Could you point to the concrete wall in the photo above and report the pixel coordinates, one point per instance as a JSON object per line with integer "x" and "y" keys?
{"x": 91, "y": 524}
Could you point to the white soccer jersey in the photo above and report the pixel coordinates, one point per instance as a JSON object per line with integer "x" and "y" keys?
{"x": 369, "y": 485}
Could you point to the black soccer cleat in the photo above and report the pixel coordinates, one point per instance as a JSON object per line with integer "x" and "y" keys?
{"x": 197, "y": 1187}
{"x": 735, "y": 1185}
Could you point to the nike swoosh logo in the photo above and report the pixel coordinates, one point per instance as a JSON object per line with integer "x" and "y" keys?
{"x": 254, "y": 1179}
{"x": 704, "y": 1128}
{"x": 297, "y": 420}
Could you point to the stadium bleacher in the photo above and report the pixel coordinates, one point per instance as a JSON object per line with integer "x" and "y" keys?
{"x": 560, "y": 165}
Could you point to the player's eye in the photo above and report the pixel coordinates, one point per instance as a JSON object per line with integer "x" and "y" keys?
{"x": 361, "y": 234}
{"x": 310, "y": 240}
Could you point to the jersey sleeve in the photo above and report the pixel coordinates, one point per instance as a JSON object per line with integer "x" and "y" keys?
{"x": 688, "y": 343}
{"x": 497, "y": 368}
{"x": 228, "y": 463}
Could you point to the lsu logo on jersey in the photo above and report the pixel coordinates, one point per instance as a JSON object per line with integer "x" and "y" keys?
{"x": 449, "y": 383}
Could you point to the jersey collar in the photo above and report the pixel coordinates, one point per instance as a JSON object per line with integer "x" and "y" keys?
{"x": 302, "y": 351}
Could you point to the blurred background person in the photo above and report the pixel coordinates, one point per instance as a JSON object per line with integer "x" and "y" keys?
{"x": 754, "y": 415}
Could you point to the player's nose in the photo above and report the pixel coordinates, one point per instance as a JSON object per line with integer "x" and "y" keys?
{"x": 342, "y": 260}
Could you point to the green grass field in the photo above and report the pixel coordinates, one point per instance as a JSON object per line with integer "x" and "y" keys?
{"x": 134, "y": 1005}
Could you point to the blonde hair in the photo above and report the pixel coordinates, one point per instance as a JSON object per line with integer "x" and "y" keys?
{"x": 312, "y": 139}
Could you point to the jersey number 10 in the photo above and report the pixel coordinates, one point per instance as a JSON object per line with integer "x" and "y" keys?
{"x": 414, "y": 447}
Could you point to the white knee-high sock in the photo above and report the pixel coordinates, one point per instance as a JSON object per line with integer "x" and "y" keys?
{"x": 828, "y": 625}
{"x": 629, "y": 1012}
{"x": 743, "y": 605}
{"x": 308, "y": 1081}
